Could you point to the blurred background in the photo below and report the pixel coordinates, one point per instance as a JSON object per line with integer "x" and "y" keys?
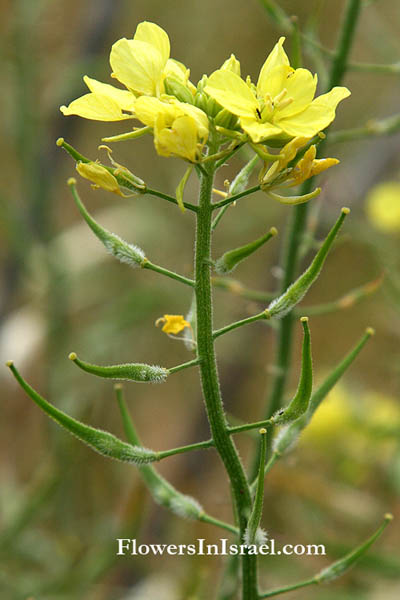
{"x": 62, "y": 506}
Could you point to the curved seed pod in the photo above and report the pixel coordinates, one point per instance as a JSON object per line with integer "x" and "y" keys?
{"x": 177, "y": 89}
{"x": 162, "y": 491}
{"x": 130, "y": 371}
{"x": 229, "y": 261}
{"x": 342, "y": 565}
{"x": 282, "y": 305}
{"x": 253, "y": 533}
{"x": 124, "y": 252}
{"x": 300, "y": 402}
{"x": 288, "y": 435}
{"x": 102, "y": 442}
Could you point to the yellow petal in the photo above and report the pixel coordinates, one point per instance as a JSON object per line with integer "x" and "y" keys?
{"x": 259, "y": 131}
{"x": 180, "y": 139}
{"x": 155, "y": 36}
{"x": 177, "y": 70}
{"x": 147, "y": 109}
{"x": 96, "y": 107}
{"x": 322, "y": 164}
{"x": 173, "y": 323}
{"x": 301, "y": 86}
{"x": 198, "y": 115}
{"x": 138, "y": 65}
{"x": 318, "y": 115}
{"x": 277, "y": 58}
{"x": 99, "y": 176}
{"x": 232, "y": 93}
{"x": 123, "y": 98}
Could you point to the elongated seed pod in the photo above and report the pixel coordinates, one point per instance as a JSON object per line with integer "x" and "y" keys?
{"x": 138, "y": 372}
{"x": 300, "y": 402}
{"x": 282, "y": 305}
{"x": 229, "y": 261}
{"x": 124, "y": 252}
{"x": 101, "y": 441}
{"x": 289, "y": 434}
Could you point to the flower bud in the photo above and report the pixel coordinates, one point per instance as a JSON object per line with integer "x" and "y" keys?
{"x": 177, "y": 89}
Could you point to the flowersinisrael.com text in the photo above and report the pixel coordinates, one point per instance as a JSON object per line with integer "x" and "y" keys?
{"x": 131, "y": 547}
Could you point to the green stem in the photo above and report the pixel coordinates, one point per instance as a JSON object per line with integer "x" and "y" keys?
{"x": 260, "y": 317}
{"x": 232, "y": 199}
{"x": 210, "y": 381}
{"x": 186, "y": 365}
{"x": 152, "y": 267}
{"x": 212, "y": 521}
{"x": 170, "y": 199}
{"x": 249, "y": 426}
{"x": 183, "y": 449}
{"x": 289, "y": 588}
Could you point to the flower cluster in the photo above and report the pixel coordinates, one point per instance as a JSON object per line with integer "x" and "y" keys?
{"x": 279, "y": 111}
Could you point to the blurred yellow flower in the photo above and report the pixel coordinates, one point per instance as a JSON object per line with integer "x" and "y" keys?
{"x": 180, "y": 129}
{"x": 281, "y": 106}
{"x": 383, "y": 206}
{"x": 141, "y": 65}
{"x": 172, "y": 323}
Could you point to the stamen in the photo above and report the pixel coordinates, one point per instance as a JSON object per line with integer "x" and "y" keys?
{"x": 284, "y": 103}
{"x": 280, "y": 96}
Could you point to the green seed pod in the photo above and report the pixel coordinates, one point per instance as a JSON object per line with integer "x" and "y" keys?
{"x": 124, "y": 252}
{"x": 253, "y": 532}
{"x": 300, "y": 402}
{"x": 177, "y": 89}
{"x": 229, "y": 261}
{"x": 131, "y": 371}
{"x": 289, "y": 434}
{"x": 344, "y": 564}
{"x": 102, "y": 442}
{"x": 282, "y": 305}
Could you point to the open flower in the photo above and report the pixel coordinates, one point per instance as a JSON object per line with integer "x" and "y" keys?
{"x": 173, "y": 324}
{"x": 282, "y": 105}
{"x": 180, "y": 129}
{"x": 141, "y": 65}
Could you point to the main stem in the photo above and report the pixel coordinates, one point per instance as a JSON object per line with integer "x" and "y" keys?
{"x": 209, "y": 378}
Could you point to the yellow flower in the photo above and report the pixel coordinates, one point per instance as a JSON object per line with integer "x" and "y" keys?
{"x": 383, "y": 206}
{"x": 279, "y": 175}
{"x": 180, "y": 129}
{"x": 100, "y": 176}
{"x": 281, "y": 106}
{"x": 172, "y": 323}
{"x": 140, "y": 64}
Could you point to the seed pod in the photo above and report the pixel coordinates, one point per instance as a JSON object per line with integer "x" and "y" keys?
{"x": 102, "y": 442}
{"x": 256, "y": 511}
{"x": 282, "y": 305}
{"x": 300, "y": 402}
{"x": 131, "y": 371}
{"x": 229, "y": 261}
{"x": 124, "y": 252}
{"x": 344, "y": 564}
{"x": 289, "y": 434}
{"x": 177, "y": 89}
